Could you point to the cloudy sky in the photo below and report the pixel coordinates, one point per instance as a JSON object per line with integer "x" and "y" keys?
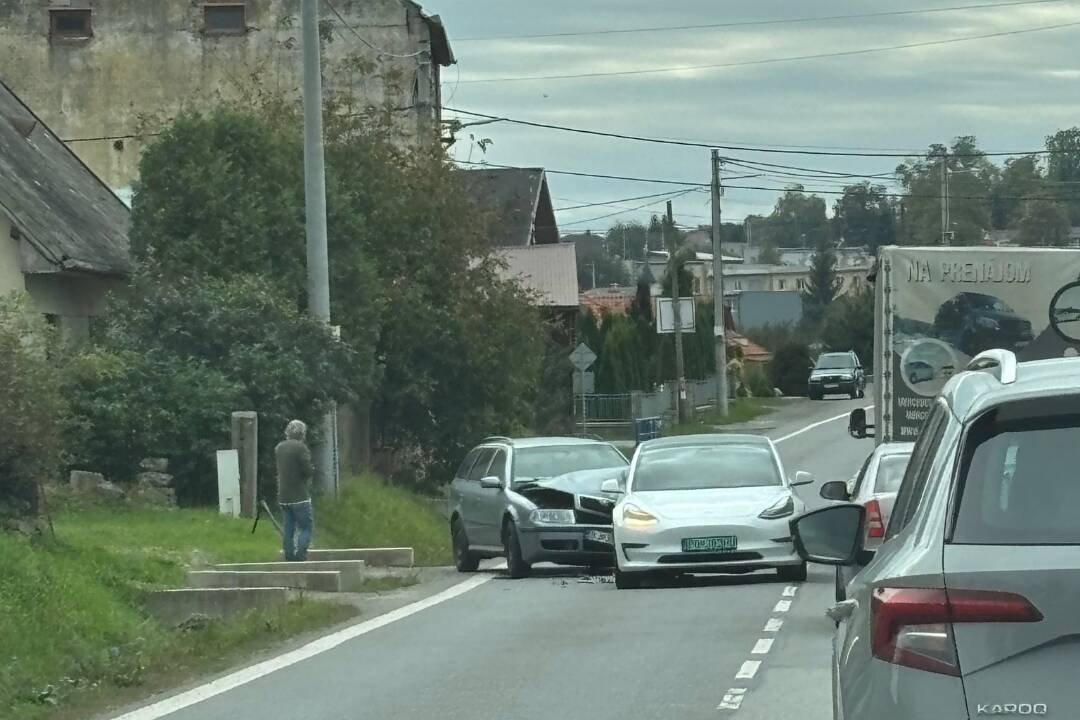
{"x": 1010, "y": 91}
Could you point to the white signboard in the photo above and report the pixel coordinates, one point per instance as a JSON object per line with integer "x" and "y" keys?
{"x": 665, "y": 315}
{"x": 590, "y": 383}
{"x": 228, "y": 474}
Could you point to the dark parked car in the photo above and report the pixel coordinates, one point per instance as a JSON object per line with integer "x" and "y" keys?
{"x": 835, "y": 374}
{"x": 535, "y": 500}
{"x": 973, "y": 322}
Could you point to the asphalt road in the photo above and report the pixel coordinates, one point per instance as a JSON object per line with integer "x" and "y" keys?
{"x": 566, "y": 645}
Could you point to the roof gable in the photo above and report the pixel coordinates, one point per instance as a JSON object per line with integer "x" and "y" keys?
{"x": 521, "y": 201}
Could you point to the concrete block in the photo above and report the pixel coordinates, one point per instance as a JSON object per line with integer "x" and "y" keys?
{"x": 321, "y": 580}
{"x": 352, "y": 572}
{"x": 85, "y": 482}
{"x": 175, "y": 607}
{"x": 374, "y": 557}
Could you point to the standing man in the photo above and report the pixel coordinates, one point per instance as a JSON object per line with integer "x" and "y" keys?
{"x": 294, "y": 471}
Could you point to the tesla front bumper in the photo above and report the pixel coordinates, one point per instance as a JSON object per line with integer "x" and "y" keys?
{"x": 758, "y": 545}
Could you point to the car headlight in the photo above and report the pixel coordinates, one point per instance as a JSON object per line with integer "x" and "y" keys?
{"x": 544, "y": 516}
{"x": 782, "y": 508}
{"x": 846, "y": 376}
{"x": 988, "y": 323}
{"x": 635, "y": 517}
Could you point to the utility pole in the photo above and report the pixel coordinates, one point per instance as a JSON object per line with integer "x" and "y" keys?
{"x": 719, "y": 334}
{"x": 315, "y": 211}
{"x": 594, "y": 275}
{"x": 944, "y": 199}
{"x": 676, "y": 308}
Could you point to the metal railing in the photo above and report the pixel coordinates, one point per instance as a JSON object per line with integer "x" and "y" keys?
{"x": 606, "y": 408}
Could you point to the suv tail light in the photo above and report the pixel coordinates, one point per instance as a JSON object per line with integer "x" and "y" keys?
{"x": 875, "y": 524}
{"x": 913, "y": 626}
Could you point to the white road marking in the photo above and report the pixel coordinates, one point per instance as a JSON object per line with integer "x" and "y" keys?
{"x": 732, "y": 699}
{"x": 818, "y": 424}
{"x": 328, "y": 642}
{"x": 748, "y": 670}
{"x": 762, "y": 646}
{"x": 774, "y": 625}
{"x": 790, "y": 591}
{"x": 782, "y": 606}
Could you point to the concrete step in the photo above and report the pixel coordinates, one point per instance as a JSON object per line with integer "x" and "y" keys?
{"x": 175, "y": 607}
{"x": 321, "y": 580}
{"x": 374, "y": 557}
{"x": 352, "y": 572}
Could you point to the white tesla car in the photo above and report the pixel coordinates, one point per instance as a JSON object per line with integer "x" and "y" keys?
{"x": 706, "y": 504}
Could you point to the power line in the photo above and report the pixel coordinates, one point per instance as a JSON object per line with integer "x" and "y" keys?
{"x": 623, "y": 212}
{"x": 130, "y": 136}
{"x": 768, "y": 61}
{"x": 364, "y": 40}
{"x": 611, "y": 203}
{"x": 601, "y": 176}
{"x": 753, "y": 23}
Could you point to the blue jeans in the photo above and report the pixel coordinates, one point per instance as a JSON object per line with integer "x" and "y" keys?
{"x": 299, "y": 523}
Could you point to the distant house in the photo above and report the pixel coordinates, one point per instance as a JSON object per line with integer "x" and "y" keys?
{"x": 520, "y": 202}
{"x": 63, "y": 233}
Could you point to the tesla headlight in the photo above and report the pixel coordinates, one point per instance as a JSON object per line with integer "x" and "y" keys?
{"x": 782, "y": 508}
{"x": 544, "y": 516}
{"x": 635, "y": 517}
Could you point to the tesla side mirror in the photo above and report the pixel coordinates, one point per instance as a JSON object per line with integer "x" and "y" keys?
{"x": 802, "y": 478}
{"x": 835, "y": 490}
{"x": 491, "y": 483}
{"x": 611, "y": 485}
{"x": 830, "y": 535}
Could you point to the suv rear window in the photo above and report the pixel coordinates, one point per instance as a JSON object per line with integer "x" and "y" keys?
{"x": 890, "y": 473}
{"x": 1020, "y": 476}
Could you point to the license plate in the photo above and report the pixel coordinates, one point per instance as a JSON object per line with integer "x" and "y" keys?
{"x": 600, "y": 536}
{"x": 724, "y": 543}
{"x": 832, "y": 386}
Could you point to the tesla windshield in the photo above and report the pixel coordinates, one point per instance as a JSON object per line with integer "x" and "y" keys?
{"x": 704, "y": 467}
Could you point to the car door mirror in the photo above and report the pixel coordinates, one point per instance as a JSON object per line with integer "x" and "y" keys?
{"x": 491, "y": 483}
{"x": 830, "y": 535}
{"x": 802, "y": 478}
{"x": 835, "y": 490}
{"x": 611, "y": 485}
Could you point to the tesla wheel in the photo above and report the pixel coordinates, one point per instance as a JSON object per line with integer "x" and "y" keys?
{"x": 627, "y": 581}
{"x": 792, "y": 573}
{"x": 516, "y": 566}
{"x": 464, "y": 560}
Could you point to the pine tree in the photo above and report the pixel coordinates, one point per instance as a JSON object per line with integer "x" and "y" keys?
{"x": 823, "y": 286}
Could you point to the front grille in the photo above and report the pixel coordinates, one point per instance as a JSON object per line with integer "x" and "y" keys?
{"x": 594, "y": 510}
{"x": 559, "y": 544}
{"x": 707, "y": 558}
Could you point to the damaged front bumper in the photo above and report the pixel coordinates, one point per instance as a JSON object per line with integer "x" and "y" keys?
{"x": 568, "y": 545}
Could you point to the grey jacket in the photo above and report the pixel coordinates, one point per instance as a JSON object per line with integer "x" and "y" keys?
{"x": 294, "y": 471}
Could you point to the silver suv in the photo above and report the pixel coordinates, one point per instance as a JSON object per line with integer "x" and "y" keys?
{"x": 535, "y": 500}
{"x": 967, "y": 609}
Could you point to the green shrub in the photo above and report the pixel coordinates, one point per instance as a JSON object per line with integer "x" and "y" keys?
{"x": 758, "y": 382}
{"x": 789, "y": 368}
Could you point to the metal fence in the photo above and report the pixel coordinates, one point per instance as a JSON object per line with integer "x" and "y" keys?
{"x": 607, "y": 408}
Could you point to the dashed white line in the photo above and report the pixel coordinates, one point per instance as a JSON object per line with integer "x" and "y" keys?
{"x": 790, "y": 590}
{"x": 774, "y": 625}
{"x": 782, "y": 606}
{"x": 732, "y": 699}
{"x": 748, "y": 670}
{"x": 762, "y": 646}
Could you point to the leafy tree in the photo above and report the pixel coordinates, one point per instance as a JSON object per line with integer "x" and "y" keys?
{"x": 32, "y": 407}
{"x": 1063, "y": 168}
{"x": 769, "y": 254}
{"x": 798, "y": 220}
{"x": 1044, "y": 222}
{"x": 642, "y": 308}
{"x": 628, "y": 240}
{"x": 864, "y": 216}
{"x": 595, "y": 263}
{"x": 1021, "y": 177}
{"x": 788, "y": 368}
{"x": 971, "y": 177}
{"x": 823, "y": 285}
{"x": 849, "y": 325}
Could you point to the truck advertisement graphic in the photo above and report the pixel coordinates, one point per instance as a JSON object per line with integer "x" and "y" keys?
{"x": 936, "y": 308}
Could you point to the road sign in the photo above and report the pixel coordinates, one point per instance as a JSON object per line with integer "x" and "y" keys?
{"x": 665, "y": 315}
{"x": 587, "y": 379}
{"x": 582, "y": 357}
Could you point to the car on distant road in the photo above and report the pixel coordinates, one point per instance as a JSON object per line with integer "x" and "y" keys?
{"x": 706, "y": 504}
{"x": 968, "y": 607}
{"x": 535, "y": 500}
{"x": 874, "y": 488}
{"x": 837, "y": 373}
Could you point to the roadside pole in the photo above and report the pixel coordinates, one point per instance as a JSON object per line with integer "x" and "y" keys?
{"x": 676, "y": 308}
{"x": 945, "y": 199}
{"x": 315, "y": 210}
{"x": 719, "y": 335}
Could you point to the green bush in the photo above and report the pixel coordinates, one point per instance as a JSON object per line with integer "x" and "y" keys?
{"x": 758, "y": 382}
{"x": 31, "y": 406}
{"x": 789, "y": 368}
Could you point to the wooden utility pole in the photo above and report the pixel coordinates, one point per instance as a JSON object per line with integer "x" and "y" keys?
{"x": 719, "y": 335}
{"x": 681, "y": 411}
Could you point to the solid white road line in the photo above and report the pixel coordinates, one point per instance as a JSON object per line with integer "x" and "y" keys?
{"x": 774, "y": 625}
{"x": 782, "y": 606}
{"x": 762, "y": 646}
{"x": 818, "y": 424}
{"x": 732, "y": 699}
{"x": 790, "y": 590}
{"x": 748, "y": 670}
{"x": 328, "y": 642}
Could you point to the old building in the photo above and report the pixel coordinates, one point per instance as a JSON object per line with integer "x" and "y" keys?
{"x": 63, "y": 233}
{"x": 104, "y": 74}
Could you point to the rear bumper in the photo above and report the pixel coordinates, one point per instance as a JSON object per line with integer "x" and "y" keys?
{"x": 566, "y": 545}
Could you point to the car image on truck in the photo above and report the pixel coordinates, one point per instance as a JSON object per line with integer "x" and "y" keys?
{"x": 973, "y": 322}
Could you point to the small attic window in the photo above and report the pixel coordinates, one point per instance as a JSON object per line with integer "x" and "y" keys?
{"x": 225, "y": 19}
{"x": 70, "y": 24}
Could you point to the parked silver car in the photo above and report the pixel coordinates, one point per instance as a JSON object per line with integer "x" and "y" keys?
{"x": 968, "y": 609}
{"x": 534, "y": 500}
{"x": 874, "y": 488}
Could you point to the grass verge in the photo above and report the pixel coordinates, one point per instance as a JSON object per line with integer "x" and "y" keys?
{"x": 740, "y": 410}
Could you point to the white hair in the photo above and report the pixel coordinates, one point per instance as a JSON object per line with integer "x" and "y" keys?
{"x": 295, "y": 430}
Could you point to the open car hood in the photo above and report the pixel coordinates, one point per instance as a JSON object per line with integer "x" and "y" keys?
{"x": 583, "y": 482}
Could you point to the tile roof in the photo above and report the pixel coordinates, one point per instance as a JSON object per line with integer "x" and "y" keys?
{"x": 548, "y": 270}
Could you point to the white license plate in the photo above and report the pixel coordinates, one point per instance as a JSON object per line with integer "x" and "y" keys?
{"x": 832, "y": 386}
{"x": 600, "y": 536}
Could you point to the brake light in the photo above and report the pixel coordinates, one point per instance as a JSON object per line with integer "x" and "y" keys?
{"x": 913, "y": 626}
{"x": 875, "y": 524}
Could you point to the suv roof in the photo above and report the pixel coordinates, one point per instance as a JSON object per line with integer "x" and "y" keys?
{"x": 971, "y": 393}
{"x": 541, "y": 441}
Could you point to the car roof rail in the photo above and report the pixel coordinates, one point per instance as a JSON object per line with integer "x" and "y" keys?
{"x": 497, "y": 438}
{"x": 1004, "y": 361}
{"x": 589, "y": 436}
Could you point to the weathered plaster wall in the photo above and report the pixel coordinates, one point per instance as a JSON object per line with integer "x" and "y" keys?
{"x": 11, "y": 277}
{"x": 148, "y": 59}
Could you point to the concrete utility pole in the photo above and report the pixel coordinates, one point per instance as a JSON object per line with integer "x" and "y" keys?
{"x": 315, "y": 207}
{"x": 945, "y": 199}
{"x": 719, "y": 334}
{"x": 681, "y": 411}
